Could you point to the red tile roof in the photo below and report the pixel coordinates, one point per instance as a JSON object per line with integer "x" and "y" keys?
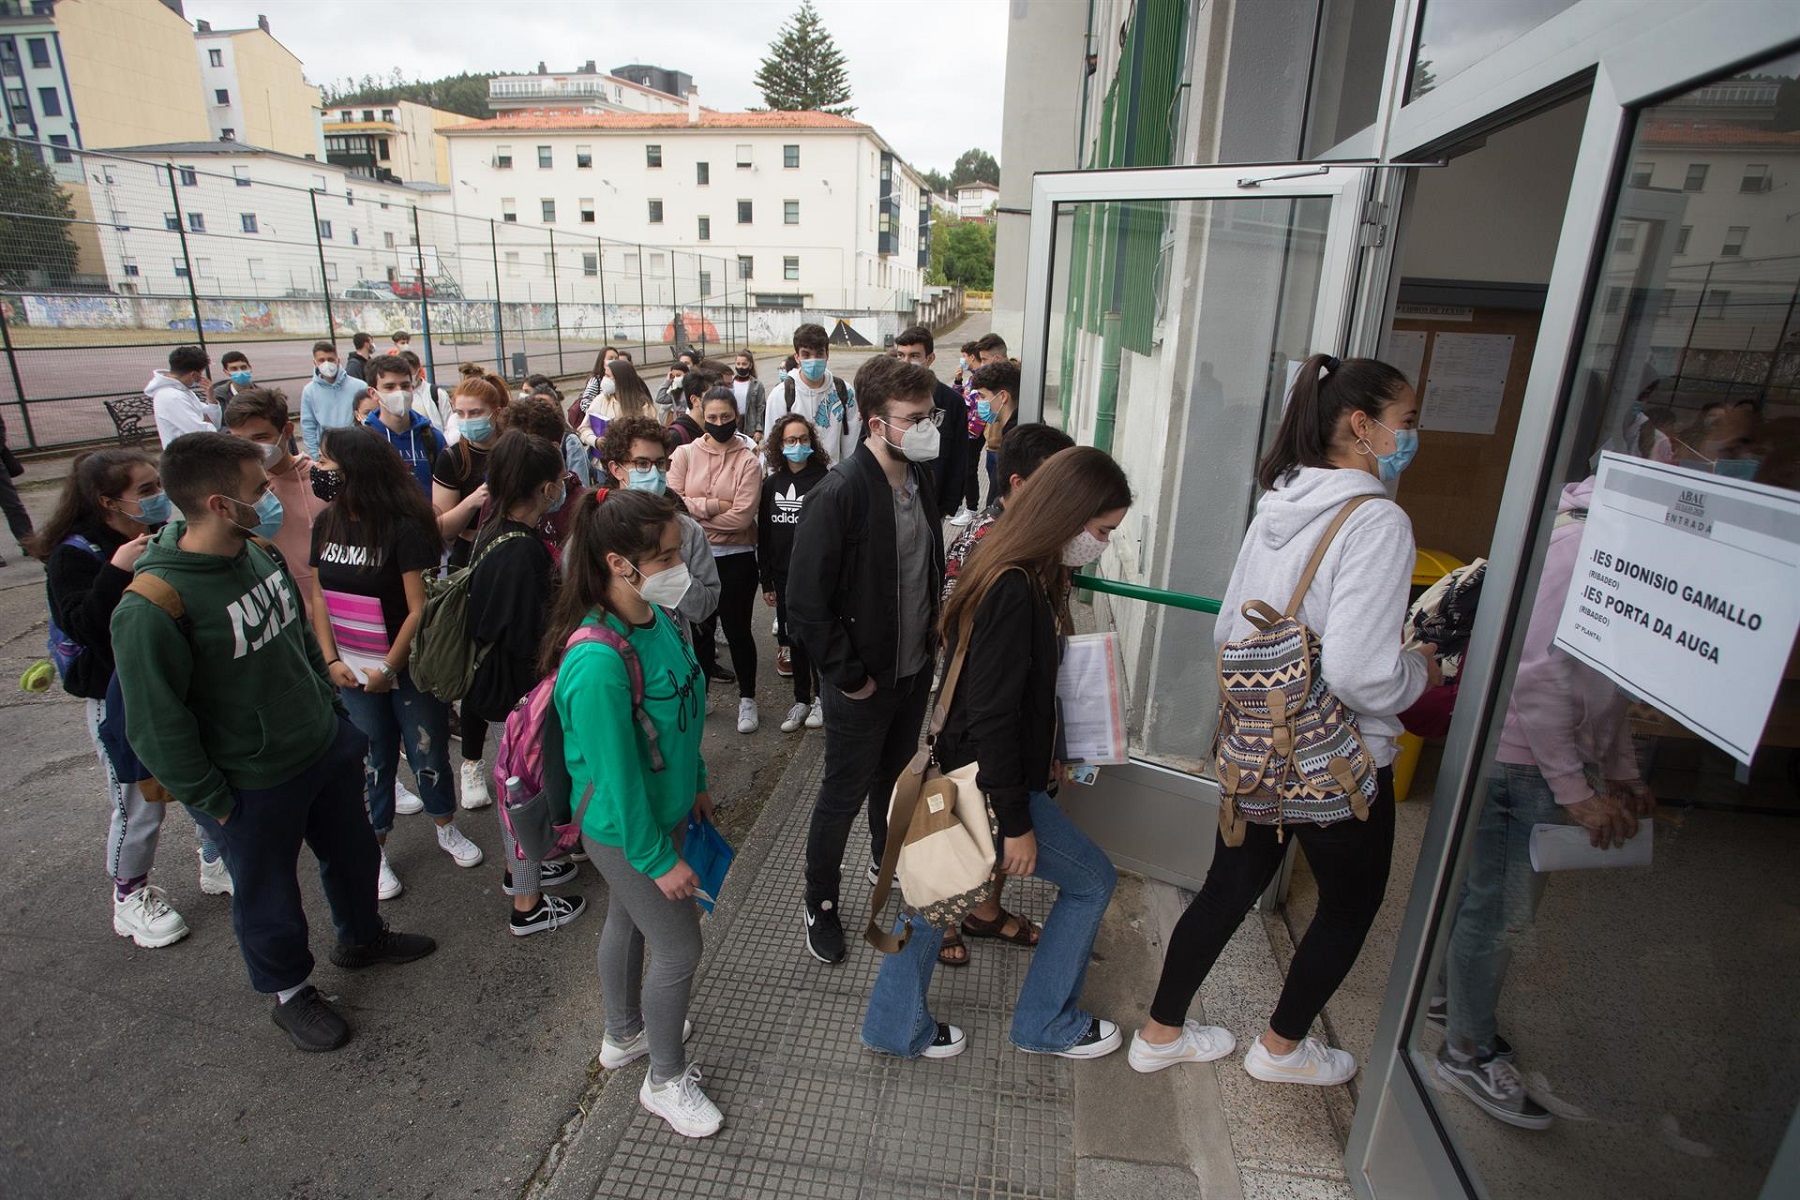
{"x": 1727, "y": 134}
{"x": 555, "y": 118}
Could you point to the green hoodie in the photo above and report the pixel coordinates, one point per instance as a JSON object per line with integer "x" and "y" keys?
{"x": 239, "y": 699}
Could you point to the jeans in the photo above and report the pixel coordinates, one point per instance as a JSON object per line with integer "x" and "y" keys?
{"x": 1499, "y": 902}
{"x": 1349, "y": 859}
{"x": 322, "y": 807}
{"x": 990, "y": 460}
{"x": 1048, "y": 1016}
{"x": 806, "y": 688}
{"x": 404, "y": 714}
{"x": 867, "y": 744}
{"x": 971, "y": 482}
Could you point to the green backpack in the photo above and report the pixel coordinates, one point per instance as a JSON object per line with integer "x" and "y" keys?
{"x": 444, "y": 657}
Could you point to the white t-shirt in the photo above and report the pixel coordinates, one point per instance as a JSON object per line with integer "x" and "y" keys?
{"x": 741, "y": 389}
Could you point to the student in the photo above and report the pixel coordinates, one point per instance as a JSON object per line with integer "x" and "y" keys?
{"x": 260, "y": 415}
{"x": 688, "y": 427}
{"x": 752, "y": 398}
{"x": 865, "y": 619}
{"x": 397, "y": 422}
{"x": 509, "y": 602}
{"x": 623, "y": 564}
{"x": 232, "y": 711}
{"x": 18, "y": 520}
{"x": 175, "y": 396}
{"x": 668, "y": 401}
{"x": 720, "y": 482}
{"x": 916, "y": 345}
{"x": 1007, "y": 619}
{"x": 620, "y": 394}
{"x": 365, "y": 407}
{"x": 636, "y": 454}
{"x": 599, "y": 375}
{"x": 540, "y": 417}
{"x": 795, "y": 464}
{"x": 237, "y": 377}
{"x": 994, "y": 391}
{"x": 818, "y": 395}
{"x": 990, "y": 348}
{"x": 371, "y": 548}
{"x": 401, "y": 342}
{"x": 329, "y": 399}
{"x": 362, "y": 350}
{"x": 969, "y": 495}
{"x": 433, "y": 403}
{"x": 457, "y": 493}
{"x": 1349, "y": 429}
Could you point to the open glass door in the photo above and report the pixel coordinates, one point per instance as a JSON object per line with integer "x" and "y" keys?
{"x": 1164, "y": 309}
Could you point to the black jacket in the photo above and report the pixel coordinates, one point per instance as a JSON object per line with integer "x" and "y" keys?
{"x": 509, "y": 605}
{"x": 843, "y": 577}
{"x": 783, "y": 494}
{"x": 953, "y": 446}
{"x": 1003, "y": 715}
{"x": 83, "y": 590}
{"x": 686, "y": 429}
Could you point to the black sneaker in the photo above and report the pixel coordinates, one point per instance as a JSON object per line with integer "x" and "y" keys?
{"x": 390, "y": 947}
{"x": 1496, "y": 1087}
{"x": 874, "y": 871}
{"x": 1102, "y": 1038}
{"x": 824, "y": 933}
{"x": 1437, "y": 1015}
{"x": 550, "y": 874}
{"x": 549, "y": 912}
{"x": 719, "y": 674}
{"x": 310, "y": 1022}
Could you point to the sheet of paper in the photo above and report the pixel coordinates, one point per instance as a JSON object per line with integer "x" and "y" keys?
{"x": 1569, "y": 848}
{"x": 1091, "y": 694}
{"x": 1468, "y": 380}
{"x": 1405, "y": 350}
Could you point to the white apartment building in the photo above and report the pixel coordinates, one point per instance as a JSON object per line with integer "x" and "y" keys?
{"x": 635, "y": 88}
{"x": 34, "y": 76}
{"x": 808, "y": 210}
{"x": 973, "y": 200}
{"x": 255, "y": 91}
{"x": 397, "y": 141}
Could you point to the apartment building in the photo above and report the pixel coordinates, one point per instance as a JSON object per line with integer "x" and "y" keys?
{"x": 254, "y": 90}
{"x": 398, "y": 141}
{"x": 635, "y": 88}
{"x": 974, "y": 201}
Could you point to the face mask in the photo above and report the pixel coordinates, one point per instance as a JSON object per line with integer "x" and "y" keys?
{"x": 477, "y": 429}
{"x": 271, "y": 453}
{"x": 268, "y": 515}
{"x": 396, "y": 403}
{"x": 328, "y": 371}
{"x": 608, "y": 387}
{"x": 722, "y": 433}
{"x": 241, "y": 378}
{"x": 326, "y": 481}
{"x": 666, "y": 588}
{"x": 796, "y": 454}
{"x": 1082, "y": 549}
{"x": 741, "y": 372}
{"x": 920, "y": 443}
{"x": 984, "y": 410}
{"x": 1406, "y": 444}
{"x": 152, "y": 510}
{"x": 813, "y": 369}
{"x": 652, "y": 481}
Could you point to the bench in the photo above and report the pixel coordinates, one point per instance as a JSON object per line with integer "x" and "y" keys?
{"x": 128, "y": 415}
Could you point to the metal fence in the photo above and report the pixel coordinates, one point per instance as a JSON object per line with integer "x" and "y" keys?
{"x": 148, "y": 255}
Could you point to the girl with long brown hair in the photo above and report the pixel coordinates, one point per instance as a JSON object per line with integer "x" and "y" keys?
{"x": 619, "y": 393}
{"x": 1005, "y": 622}
{"x": 459, "y": 476}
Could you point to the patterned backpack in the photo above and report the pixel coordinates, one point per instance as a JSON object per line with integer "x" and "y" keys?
{"x": 1287, "y": 748}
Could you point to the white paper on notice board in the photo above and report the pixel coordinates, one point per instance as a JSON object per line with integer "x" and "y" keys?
{"x": 1686, "y": 593}
{"x": 1468, "y": 381}
{"x": 1091, "y": 695}
{"x": 1405, "y": 350}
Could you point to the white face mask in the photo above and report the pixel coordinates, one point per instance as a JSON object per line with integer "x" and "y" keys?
{"x": 665, "y": 588}
{"x": 271, "y": 453}
{"x": 328, "y": 371}
{"x": 397, "y": 403}
{"x": 919, "y": 443}
{"x": 1082, "y": 549}
{"x": 608, "y": 387}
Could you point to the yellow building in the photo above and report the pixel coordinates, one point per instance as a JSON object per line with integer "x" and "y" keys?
{"x": 395, "y": 139}
{"x": 254, "y": 91}
{"x": 133, "y": 77}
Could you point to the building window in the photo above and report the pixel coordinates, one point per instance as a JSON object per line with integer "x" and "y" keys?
{"x": 503, "y": 158}
{"x": 387, "y": 114}
{"x": 325, "y": 230}
{"x": 584, "y": 157}
{"x": 39, "y": 49}
{"x": 746, "y": 267}
{"x": 1716, "y": 302}
{"x": 653, "y": 155}
{"x": 256, "y": 269}
{"x": 171, "y": 222}
{"x": 745, "y": 212}
{"x": 790, "y": 157}
{"x": 1756, "y": 178}
{"x": 790, "y": 267}
{"x": 658, "y": 263}
{"x": 743, "y": 154}
{"x": 247, "y": 222}
{"x": 631, "y": 263}
{"x": 241, "y": 175}
{"x": 590, "y": 264}
{"x": 1681, "y": 239}
{"x": 59, "y": 148}
{"x": 387, "y": 239}
{"x": 587, "y": 211}
{"x": 130, "y": 266}
{"x": 706, "y": 283}
{"x": 349, "y": 197}
{"x": 381, "y": 149}
{"x": 1696, "y": 178}
{"x": 221, "y": 96}
{"x": 549, "y": 262}
{"x": 331, "y": 272}
{"x": 512, "y": 264}
{"x": 319, "y": 183}
{"x": 1625, "y": 242}
{"x": 228, "y": 134}
{"x": 188, "y": 176}
{"x": 203, "y": 268}
{"x": 790, "y": 212}
{"x": 181, "y": 271}
{"x": 355, "y": 236}
{"x": 196, "y": 222}
{"x": 1734, "y": 241}
{"x": 368, "y": 114}
{"x": 656, "y": 212}
{"x": 1615, "y": 299}
{"x": 706, "y": 229}
{"x": 9, "y": 57}
{"x": 1665, "y": 302}
{"x": 544, "y": 160}
{"x": 548, "y": 211}
{"x": 509, "y": 212}
{"x": 1641, "y": 173}
{"x": 50, "y": 102}
{"x": 702, "y": 174}
{"x": 346, "y": 116}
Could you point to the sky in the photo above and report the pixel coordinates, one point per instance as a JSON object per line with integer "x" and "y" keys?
{"x": 910, "y": 75}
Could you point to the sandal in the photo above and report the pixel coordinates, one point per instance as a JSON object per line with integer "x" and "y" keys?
{"x": 954, "y": 952}
{"x": 1024, "y": 932}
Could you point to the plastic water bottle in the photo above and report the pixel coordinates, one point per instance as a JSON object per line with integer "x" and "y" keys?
{"x": 515, "y": 792}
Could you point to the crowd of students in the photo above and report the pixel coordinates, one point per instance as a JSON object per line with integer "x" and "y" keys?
{"x": 241, "y": 619}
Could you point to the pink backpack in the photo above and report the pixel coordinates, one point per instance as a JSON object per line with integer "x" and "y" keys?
{"x": 530, "y": 773}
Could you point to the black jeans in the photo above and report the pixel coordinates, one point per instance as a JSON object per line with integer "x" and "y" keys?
{"x": 323, "y": 807}
{"x": 867, "y": 743}
{"x": 740, "y": 586}
{"x": 805, "y": 686}
{"x": 17, "y": 519}
{"x": 972, "y": 474}
{"x": 1349, "y": 859}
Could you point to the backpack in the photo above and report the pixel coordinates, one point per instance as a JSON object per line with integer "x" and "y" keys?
{"x": 843, "y": 393}
{"x": 1286, "y": 746}
{"x": 530, "y": 773}
{"x": 65, "y": 651}
{"x": 444, "y": 657}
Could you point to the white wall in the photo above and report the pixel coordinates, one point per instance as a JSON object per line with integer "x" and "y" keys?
{"x": 220, "y": 116}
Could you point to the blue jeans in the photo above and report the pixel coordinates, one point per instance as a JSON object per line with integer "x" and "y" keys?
{"x": 1048, "y": 1016}
{"x": 1499, "y": 902}
{"x": 403, "y": 714}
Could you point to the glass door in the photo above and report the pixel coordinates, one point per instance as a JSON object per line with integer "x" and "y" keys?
{"x": 1165, "y": 311}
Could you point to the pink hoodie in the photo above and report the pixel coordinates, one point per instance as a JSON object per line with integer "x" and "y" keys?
{"x": 1564, "y": 717}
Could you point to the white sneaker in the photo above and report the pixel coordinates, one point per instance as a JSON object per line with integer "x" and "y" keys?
{"x": 747, "y": 722}
{"x": 215, "y": 880}
{"x": 682, "y": 1104}
{"x": 775, "y": 627}
{"x": 387, "y": 884}
{"x": 963, "y": 516}
{"x": 146, "y": 918}
{"x": 796, "y": 717}
{"x": 406, "y": 801}
{"x": 816, "y": 718}
{"x": 1311, "y": 1062}
{"x": 614, "y": 1055}
{"x": 1198, "y": 1043}
{"x": 474, "y": 786}
{"x": 456, "y": 844}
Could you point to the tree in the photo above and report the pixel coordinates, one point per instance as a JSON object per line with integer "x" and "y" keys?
{"x": 804, "y": 71}
{"x": 35, "y": 246}
{"x": 962, "y": 252}
{"x": 936, "y": 181}
{"x": 975, "y": 166}
{"x": 465, "y": 93}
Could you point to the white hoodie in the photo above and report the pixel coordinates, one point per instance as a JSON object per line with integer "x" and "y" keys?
{"x": 177, "y": 409}
{"x": 1357, "y": 601}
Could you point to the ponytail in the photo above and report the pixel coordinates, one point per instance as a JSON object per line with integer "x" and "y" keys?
{"x": 1326, "y": 390}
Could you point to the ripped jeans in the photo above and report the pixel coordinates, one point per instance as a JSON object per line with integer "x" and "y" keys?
{"x": 403, "y": 716}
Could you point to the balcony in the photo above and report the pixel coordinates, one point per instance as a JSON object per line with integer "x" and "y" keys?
{"x": 550, "y": 87}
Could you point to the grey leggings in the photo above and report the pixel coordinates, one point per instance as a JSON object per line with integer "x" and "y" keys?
{"x": 637, "y": 912}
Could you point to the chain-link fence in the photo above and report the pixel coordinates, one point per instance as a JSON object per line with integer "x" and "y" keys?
{"x": 108, "y": 262}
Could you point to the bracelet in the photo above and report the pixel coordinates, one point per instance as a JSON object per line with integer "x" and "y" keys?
{"x": 336, "y": 662}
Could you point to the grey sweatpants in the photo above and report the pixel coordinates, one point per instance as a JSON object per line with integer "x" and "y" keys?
{"x": 657, "y": 1001}
{"x": 136, "y": 823}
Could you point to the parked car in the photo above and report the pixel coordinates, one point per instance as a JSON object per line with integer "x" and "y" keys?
{"x": 366, "y": 291}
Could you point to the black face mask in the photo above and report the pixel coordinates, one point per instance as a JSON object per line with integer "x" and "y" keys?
{"x": 742, "y": 372}
{"x": 326, "y": 482}
{"x": 723, "y": 433}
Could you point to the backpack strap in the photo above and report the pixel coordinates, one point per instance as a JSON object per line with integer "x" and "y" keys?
{"x": 1318, "y": 554}
{"x": 162, "y": 593}
{"x": 843, "y": 391}
{"x": 508, "y": 536}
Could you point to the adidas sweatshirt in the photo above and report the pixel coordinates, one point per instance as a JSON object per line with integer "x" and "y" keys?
{"x": 783, "y": 493}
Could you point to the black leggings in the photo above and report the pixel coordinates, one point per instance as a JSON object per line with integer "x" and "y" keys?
{"x": 805, "y": 691}
{"x": 972, "y": 474}
{"x": 1349, "y": 859}
{"x": 740, "y": 587}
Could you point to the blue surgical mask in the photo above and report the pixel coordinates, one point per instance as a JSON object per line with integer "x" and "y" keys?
{"x": 241, "y": 378}
{"x": 652, "y": 481}
{"x": 1406, "y": 444}
{"x": 268, "y": 515}
{"x": 984, "y": 410}
{"x": 796, "y": 454}
{"x": 152, "y": 510}
{"x": 476, "y": 429}
{"x": 813, "y": 369}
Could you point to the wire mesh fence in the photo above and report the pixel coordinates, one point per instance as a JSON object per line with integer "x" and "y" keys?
{"x": 108, "y": 262}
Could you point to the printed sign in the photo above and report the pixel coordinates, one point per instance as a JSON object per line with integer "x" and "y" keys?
{"x": 1687, "y": 594}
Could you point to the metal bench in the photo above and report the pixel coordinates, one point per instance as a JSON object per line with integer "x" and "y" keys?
{"x": 128, "y": 415}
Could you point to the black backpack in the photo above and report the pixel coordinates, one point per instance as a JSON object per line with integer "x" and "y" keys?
{"x": 843, "y": 392}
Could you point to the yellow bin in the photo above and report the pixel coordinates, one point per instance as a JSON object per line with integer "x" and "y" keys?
{"x": 1429, "y": 566}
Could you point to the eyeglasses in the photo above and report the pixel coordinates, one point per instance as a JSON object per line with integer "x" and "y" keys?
{"x": 796, "y": 441}
{"x": 935, "y": 417}
{"x": 647, "y": 464}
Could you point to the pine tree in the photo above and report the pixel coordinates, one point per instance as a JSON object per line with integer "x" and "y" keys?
{"x": 36, "y": 249}
{"x": 804, "y": 71}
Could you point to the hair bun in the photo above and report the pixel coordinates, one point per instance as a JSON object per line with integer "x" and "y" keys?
{"x": 1332, "y": 363}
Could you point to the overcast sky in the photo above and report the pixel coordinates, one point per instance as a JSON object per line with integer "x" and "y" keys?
{"x": 912, "y": 64}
